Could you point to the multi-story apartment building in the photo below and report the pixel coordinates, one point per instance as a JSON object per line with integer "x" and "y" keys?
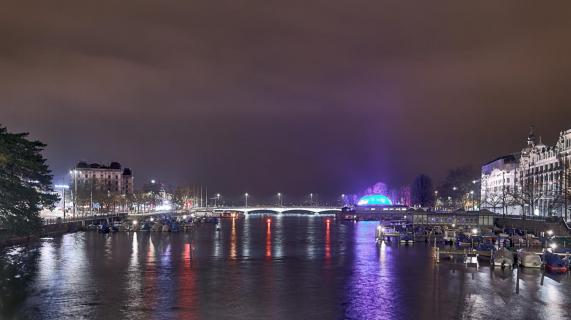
{"x": 112, "y": 178}
{"x": 535, "y": 181}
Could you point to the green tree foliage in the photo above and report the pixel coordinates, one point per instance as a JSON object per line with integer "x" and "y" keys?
{"x": 25, "y": 183}
{"x": 422, "y": 192}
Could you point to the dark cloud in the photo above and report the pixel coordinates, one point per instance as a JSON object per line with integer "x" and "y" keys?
{"x": 294, "y": 95}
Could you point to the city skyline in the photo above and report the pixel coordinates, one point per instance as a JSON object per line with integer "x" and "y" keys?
{"x": 255, "y": 98}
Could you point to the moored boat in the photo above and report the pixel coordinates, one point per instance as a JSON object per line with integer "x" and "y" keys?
{"x": 528, "y": 259}
{"x": 555, "y": 262}
{"x": 486, "y": 249}
{"x": 406, "y": 238}
{"x": 503, "y": 258}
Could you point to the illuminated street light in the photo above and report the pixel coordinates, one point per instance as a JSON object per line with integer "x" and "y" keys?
{"x": 280, "y": 199}
{"x": 550, "y": 232}
{"x": 217, "y": 199}
{"x": 311, "y": 199}
{"x": 153, "y": 181}
{"x": 246, "y": 195}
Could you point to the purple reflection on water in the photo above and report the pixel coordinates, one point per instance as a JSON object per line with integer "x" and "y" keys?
{"x": 371, "y": 290}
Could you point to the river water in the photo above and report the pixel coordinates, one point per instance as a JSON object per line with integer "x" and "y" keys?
{"x": 293, "y": 267}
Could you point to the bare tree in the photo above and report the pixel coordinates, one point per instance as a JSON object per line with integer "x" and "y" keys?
{"x": 494, "y": 201}
{"x": 526, "y": 195}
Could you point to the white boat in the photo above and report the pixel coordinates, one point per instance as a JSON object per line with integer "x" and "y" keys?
{"x": 449, "y": 236}
{"x": 503, "y": 258}
{"x": 528, "y": 259}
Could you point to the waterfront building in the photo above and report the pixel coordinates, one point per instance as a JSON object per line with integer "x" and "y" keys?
{"x": 110, "y": 178}
{"x": 497, "y": 183}
{"x": 533, "y": 182}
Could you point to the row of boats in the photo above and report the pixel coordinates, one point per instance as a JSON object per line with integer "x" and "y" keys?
{"x": 160, "y": 224}
{"x": 552, "y": 261}
{"x": 496, "y": 245}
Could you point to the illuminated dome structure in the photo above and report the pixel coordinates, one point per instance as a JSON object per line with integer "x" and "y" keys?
{"x": 374, "y": 200}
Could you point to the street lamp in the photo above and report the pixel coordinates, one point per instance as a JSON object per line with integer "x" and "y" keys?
{"x": 311, "y": 199}
{"x": 63, "y": 187}
{"x": 74, "y": 198}
{"x": 343, "y": 198}
{"x": 472, "y": 195}
{"x": 153, "y": 181}
{"x": 246, "y": 195}
{"x": 217, "y": 199}
{"x": 280, "y": 199}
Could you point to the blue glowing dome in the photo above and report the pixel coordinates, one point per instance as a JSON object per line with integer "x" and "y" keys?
{"x": 374, "y": 200}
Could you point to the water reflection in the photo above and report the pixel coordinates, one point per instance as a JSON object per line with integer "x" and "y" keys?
{"x": 328, "y": 240}
{"x": 269, "y": 238}
{"x": 233, "y": 240}
{"x": 289, "y": 268}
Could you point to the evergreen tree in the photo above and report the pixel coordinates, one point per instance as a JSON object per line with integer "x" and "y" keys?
{"x": 25, "y": 183}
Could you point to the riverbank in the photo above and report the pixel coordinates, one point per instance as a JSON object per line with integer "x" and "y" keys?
{"x": 7, "y": 240}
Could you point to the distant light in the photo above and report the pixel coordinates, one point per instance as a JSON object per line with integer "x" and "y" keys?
{"x": 152, "y": 219}
{"x": 153, "y": 181}
{"x": 374, "y": 200}
{"x": 553, "y": 246}
{"x": 328, "y": 221}
{"x": 61, "y": 186}
{"x": 184, "y": 216}
{"x": 134, "y": 222}
{"x": 471, "y": 191}
{"x": 453, "y": 225}
{"x": 246, "y": 194}
{"x": 550, "y": 232}
{"x": 269, "y": 220}
{"x": 475, "y": 231}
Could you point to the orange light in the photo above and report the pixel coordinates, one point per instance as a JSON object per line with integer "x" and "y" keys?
{"x": 269, "y": 220}
{"x": 328, "y": 221}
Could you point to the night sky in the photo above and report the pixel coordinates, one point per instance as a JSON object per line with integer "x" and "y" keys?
{"x": 293, "y": 96}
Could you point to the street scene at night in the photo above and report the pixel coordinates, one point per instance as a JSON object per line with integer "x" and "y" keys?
{"x": 285, "y": 160}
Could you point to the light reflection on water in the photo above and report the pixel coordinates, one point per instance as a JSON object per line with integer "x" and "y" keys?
{"x": 294, "y": 267}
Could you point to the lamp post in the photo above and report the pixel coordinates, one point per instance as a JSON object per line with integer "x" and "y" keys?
{"x": 472, "y": 195}
{"x": 74, "y": 197}
{"x": 246, "y": 195}
{"x": 343, "y": 199}
{"x": 280, "y": 199}
{"x": 311, "y": 199}
{"x": 435, "y": 199}
{"x": 217, "y": 199}
{"x": 63, "y": 187}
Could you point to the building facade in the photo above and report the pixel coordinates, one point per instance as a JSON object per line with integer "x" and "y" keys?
{"x": 533, "y": 182}
{"x": 112, "y": 178}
